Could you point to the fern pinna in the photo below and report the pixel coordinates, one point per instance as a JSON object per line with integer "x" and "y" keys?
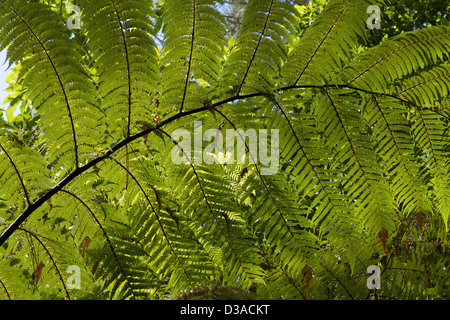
{"x": 92, "y": 205}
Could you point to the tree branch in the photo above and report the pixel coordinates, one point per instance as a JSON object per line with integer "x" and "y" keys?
{"x": 50, "y": 60}
{"x": 80, "y": 170}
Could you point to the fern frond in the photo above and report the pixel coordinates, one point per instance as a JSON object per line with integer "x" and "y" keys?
{"x": 13, "y": 284}
{"x": 396, "y": 145}
{"x": 193, "y": 47}
{"x": 23, "y": 171}
{"x": 426, "y": 89}
{"x": 306, "y": 159}
{"x": 260, "y": 47}
{"x": 398, "y": 57}
{"x": 365, "y": 182}
{"x": 429, "y": 131}
{"x": 324, "y": 48}
{"x": 125, "y": 55}
{"x": 51, "y": 61}
{"x": 276, "y": 213}
{"x": 337, "y": 159}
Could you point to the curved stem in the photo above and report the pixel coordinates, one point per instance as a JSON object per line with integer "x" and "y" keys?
{"x": 18, "y": 174}
{"x": 51, "y": 258}
{"x": 80, "y": 170}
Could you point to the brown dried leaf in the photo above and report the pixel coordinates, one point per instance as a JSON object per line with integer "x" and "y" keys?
{"x": 130, "y": 239}
{"x": 156, "y": 118}
{"x": 420, "y": 218}
{"x": 307, "y": 276}
{"x": 37, "y": 273}
{"x": 95, "y": 267}
{"x": 383, "y": 235}
{"x": 85, "y": 244}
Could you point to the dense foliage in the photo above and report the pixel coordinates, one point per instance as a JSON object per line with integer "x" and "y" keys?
{"x": 93, "y": 205}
